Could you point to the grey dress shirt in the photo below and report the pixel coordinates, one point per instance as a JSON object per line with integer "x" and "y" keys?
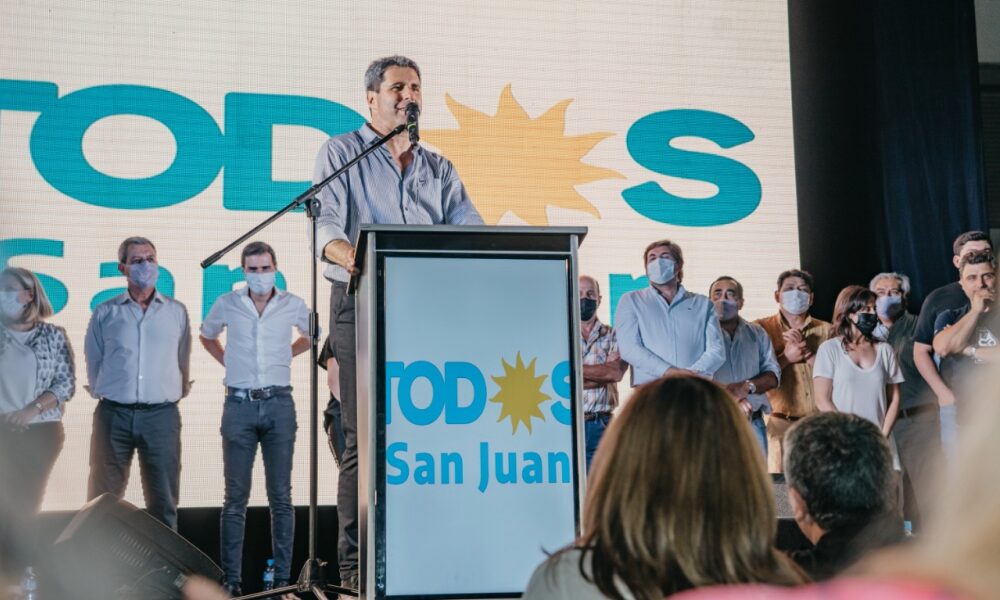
{"x": 135, "y": 356}
{"x": 428, "y": 192}
{"x": 749, "y": 353}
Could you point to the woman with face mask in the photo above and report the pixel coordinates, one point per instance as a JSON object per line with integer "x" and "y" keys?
{"x": 36, "y": 380}
{"x": 855, "y": 372}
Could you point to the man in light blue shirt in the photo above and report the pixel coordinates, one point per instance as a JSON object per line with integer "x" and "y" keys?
{"x": 138, "y": 353}
{"x": 665, "y": 329}
{"x": 400, "y": 183}
{"x": 751, "y": 367}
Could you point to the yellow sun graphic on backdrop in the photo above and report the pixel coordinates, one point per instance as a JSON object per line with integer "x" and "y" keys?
{"x": 513, "y": 163}
{"x": 520, "y": 393}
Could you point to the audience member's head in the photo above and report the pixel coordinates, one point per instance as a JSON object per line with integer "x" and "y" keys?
{"x": 839, "y": 472}
{"x": 893, "y": 290}
{"x": 795, "y": 291}
{"x": 727, "y": 295}
{"x": 664, "y": 262}
{"x": 22, "y": 297}
{"x": 679, "y": 496}
{"x": 970, "y": 241}
{"x": 977, "y": 271}
{"x": 854, "y": 313}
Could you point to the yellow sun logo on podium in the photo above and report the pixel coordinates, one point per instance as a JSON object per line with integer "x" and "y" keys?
{"x": 513, "y": 163}
{"x": 520, "y": 393}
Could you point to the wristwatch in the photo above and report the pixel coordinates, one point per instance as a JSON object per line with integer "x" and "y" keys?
{"x": 751, "y": 387}
{"x": 39, "y": 406}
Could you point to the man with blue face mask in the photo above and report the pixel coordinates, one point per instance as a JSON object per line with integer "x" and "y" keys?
{"x": 665, "y": 329}
{"x": 258, "y": 320}
{"x": 138, "y": 352}
{"x": 918, "y": 428}
{"x": 751, "y": 368}
{"x": 795, "y": 336}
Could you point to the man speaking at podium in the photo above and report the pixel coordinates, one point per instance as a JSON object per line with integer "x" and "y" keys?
{"x": 400, "y": 183}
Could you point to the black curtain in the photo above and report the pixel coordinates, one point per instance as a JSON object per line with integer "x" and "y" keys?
{"x": 887, "y": 139}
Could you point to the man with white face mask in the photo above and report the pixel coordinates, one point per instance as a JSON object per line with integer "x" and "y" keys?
{"x": 138, "y": 351}
{"x": 258, "y": 320}
{"x": 665, "y": 329}
{"x": 751, "y": 368}
{"x": 795, "y": 336}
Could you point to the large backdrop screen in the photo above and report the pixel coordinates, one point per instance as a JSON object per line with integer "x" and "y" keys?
{"x": 187, "y": 122}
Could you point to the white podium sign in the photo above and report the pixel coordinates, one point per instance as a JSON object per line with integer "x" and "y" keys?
{"x": 480, "y": 467}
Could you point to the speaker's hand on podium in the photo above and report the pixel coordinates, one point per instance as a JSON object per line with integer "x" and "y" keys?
{"x": 341, "y": 252}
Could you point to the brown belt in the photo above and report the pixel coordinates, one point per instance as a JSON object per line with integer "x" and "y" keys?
{"x": 592, "y": 416}
{"x": 784, "y": 417}
{"x": 916, "y": 410}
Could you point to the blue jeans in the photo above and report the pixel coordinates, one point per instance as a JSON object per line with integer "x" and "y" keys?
{"x": 949, "y": 432}
{"x": 760, "y": 430}
{"x": 593, "y": 431}
{"x": 245, "y": 423}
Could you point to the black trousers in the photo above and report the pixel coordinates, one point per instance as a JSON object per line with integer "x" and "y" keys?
{"x": 26, "y": 461}
{"x": 155, "y": 434}
{"x": 342, "y": 336}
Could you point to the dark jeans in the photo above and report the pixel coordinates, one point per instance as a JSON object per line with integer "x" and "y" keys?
{"x": 918, "y": 439}
{"x": 155, "y": 432}
{"x": 26, "y": 461}
{"x": 759, "y": 430}
{"x": 593, "y": 431}
{"x": 342, "y": 337}
{"x": 246, "y": 423}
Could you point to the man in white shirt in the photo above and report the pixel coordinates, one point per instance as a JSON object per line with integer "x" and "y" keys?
{"x": 138, "y": 353}
{"x": 665, "y": 329}
{"x": 259, "y": 409}
{"x": 751, "y": 368}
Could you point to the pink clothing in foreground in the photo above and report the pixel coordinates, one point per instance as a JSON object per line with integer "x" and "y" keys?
{"x": 840, "y": 589}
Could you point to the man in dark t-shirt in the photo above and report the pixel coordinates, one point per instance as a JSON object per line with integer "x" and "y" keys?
{"x": 943, "y": 299}
{"x": 968, "y": 337}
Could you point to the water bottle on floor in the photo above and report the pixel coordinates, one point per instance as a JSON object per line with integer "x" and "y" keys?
{"x": 29, "y": 585}
{"x": 269, "y": 575}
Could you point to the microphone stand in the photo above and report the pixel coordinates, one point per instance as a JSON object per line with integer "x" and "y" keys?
{"x": 311, "y": 579}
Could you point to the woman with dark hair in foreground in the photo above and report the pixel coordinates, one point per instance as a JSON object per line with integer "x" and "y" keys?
{"x": 679, "y": 498}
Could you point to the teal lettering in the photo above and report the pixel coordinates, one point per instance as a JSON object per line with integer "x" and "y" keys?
{"x": 250, "y": 121}
{"x": 560, "y": 460}
{"x": 649, "y": 142}
{"x": 424, "y": 473}
{"x": 57, "y": 147}
{"x": 532, "y": 471}
{"x": 395, "y": 462}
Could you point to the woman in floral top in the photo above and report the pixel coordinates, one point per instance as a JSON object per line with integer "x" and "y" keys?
{"x": 36, "y": 380}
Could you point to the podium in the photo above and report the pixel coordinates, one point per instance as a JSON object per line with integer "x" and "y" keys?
{"x": 470, "y": 422}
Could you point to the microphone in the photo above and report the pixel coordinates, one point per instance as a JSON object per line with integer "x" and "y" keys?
{"x": 412, "y": 112}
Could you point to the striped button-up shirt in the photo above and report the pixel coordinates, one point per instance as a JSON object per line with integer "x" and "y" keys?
{"x": 749, "y": 353}
{"x": 654, "y": 336}
{"x": 428, "y": 192}
{"x": 135, "y": 356}
{"x": 597, "y": 348}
